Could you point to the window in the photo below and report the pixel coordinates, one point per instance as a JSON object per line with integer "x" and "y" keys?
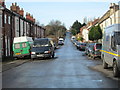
{"x": 24, "y": 45}
{"x": 113, "y": 43}
{"x": 17, "y": 46}
{"x": 117, "y": 38}
{"x": 8, "y": 19}
{"x": 1, "y": 21}
{"x": 5, "y": 18}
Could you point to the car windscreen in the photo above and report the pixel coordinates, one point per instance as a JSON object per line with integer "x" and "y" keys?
{"x": 60, "y": 40}
{"x": 83, "y": 44}
{"x": 117, "y": 38}
{"x": 98, "y": 46}
{"x": 39, "y": 43}
{"x": 78, "y": 43}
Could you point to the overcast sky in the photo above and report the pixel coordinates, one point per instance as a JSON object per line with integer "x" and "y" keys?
{"x": 66, "y": 11}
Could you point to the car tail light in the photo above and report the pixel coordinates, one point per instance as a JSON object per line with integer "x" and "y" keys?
{"x": 95, "y": 47}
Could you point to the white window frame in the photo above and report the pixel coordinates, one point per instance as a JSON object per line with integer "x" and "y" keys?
{"x": 5, "y": 18}
{"x": 8, "y": 19}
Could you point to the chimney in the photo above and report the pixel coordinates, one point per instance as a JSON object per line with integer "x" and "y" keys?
{"x": 119, "y": 4}
{"x": 27, "y": 16}
{"x": 111, "y": 5}
{"x": 21, "y": 12}
{"x": 13, "y": 7}
{"x": 34, "y": 20}
{"x": 18, "y": 9}
{"x": 2, "y": 3}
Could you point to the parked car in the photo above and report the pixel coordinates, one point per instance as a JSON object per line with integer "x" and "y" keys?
{"x": 22, "y": 47}
{"x": 82, "y": 46}
{"x": 94, "y": 50}
{"x": 42, "y": 47}
{"x": 77, "y": 45}
{"x": 87, "y": 48}
{"x": 75, "y": 42}
{"x": 73, "y": 38}
{"x": 61, "y": 41}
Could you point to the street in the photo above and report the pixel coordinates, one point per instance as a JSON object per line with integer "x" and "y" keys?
{"x": 69, "y": 69}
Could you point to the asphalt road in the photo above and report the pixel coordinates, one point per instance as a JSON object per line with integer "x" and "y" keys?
{"x": 69, "y": 69}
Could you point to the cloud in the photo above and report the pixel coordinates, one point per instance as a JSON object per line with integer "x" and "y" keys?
{"x": 62, "y": 0}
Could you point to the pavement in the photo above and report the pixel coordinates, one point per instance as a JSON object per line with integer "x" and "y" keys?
{"x": 106, "y": 72}
{"x": 69, "y": 69}
{"x": 11, "y": 64}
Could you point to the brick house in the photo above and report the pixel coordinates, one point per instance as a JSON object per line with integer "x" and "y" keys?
{"x": 14, "y": 24}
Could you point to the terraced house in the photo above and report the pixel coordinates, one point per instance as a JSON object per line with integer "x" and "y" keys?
{"x": 112, "y": 16}
{"x": 14, "y": 24}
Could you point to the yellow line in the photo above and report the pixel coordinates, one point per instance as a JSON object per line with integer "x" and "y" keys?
{"x": 110, "y": 53}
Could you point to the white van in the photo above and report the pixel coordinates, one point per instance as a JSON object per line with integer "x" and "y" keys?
{"x": 73, "y": 38}
{"x": 22, "y": 46}
{"x": 111, "y": 48}
{"x": 61, "y": 41}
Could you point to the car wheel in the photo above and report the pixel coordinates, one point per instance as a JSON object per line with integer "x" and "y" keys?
{"x": 93, "y": 57}
{"x": 50, "y": 57}
{"x": 116, "y": 72}
{"x": 28, "y": 57}
{"x": 33, "y": 58}
{"x": 105, "y": 65}
{"x": 88, "y": 55}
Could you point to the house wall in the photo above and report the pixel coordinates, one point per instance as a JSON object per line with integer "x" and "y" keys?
{"x": 0, "y": 35}
{"x": 14, "y": 25}
{"x": 113, "y": 19}
{"x": 85, "y": 34}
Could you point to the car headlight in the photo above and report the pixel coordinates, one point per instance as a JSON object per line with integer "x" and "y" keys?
{"x": 47, "y": 51}
{"x": 32, "y": 52}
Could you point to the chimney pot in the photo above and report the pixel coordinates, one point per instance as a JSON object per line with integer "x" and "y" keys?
{"x": 12, "y": 4}
{"x": 15, "y": 4}
{"x": 21, "y": 12}
{"x": 2, "y": 3}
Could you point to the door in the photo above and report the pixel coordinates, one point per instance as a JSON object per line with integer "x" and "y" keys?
{"x": 25, "y": 48}
{"x": 17, "y": 49}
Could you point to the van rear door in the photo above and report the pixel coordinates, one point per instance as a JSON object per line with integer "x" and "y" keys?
{"x": 17, "y": 49}
{"x": 25, "y": 48}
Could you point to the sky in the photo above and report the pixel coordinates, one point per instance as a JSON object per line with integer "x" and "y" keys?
{"x": 65, "y": 11}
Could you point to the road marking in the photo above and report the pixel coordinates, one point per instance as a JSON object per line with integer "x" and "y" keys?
{"x": 97, "y": 80}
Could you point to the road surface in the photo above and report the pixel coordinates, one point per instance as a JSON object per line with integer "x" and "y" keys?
{"x": 69, "y": 69}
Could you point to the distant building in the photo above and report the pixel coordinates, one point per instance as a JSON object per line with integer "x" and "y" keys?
{"x": 85, "y": 29}
{"x": 112, "y": 16}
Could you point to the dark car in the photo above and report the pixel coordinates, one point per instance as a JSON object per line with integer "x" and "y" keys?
{"x": 94, "y": 50}
{"x": 82, "y": 46}
{"x": 77, "y": 45}
{"x": 42, "y": 47}
{"x": 75, "y": 42}
{"x": 87, "y": 48}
